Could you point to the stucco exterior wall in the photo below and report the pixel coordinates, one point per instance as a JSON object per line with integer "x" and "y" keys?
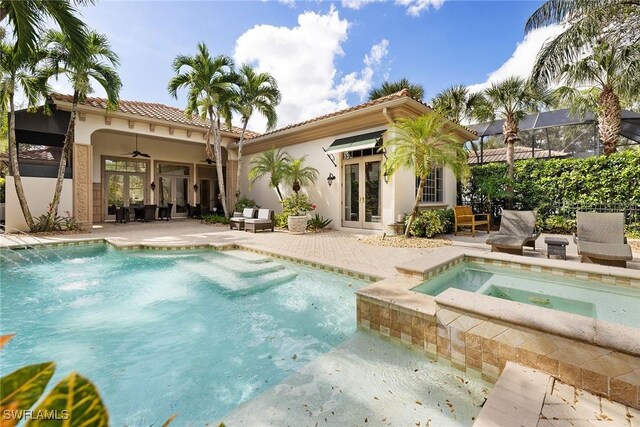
{"x": 39, "y": 192}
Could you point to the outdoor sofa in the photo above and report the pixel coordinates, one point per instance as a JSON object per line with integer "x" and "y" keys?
{"x": 264, "y": 221}
{"x": 517, "y": 229}
{"x": 600, "y": 239}
{"x": 238, "y": 219}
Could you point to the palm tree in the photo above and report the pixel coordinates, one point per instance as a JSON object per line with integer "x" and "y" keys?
{"x": 258, "y": 92}
{"x": 612, "y": 74}
{"x": 510, "y": 100}
{"x": 80, "y": 69}
{"x": 422, "y": 144}
{"x": 617, "y": 21}
{"x": 27, "y": 18}
{"x": 210, "y": 85}
{"x": 416, "y": 90}
{"x": 297, "y": 174}
{"x": 18, "y": 70}
{"x": 272, "y": 163}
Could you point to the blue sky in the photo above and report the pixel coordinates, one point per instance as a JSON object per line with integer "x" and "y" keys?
{"x": 325, "y": 55}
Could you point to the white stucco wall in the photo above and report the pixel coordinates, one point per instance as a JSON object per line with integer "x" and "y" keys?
{"x": 39, "y": 192}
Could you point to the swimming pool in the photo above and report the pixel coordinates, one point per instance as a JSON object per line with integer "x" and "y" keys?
{"x": 583, "y": 297}
{"x": 162, "y": 332}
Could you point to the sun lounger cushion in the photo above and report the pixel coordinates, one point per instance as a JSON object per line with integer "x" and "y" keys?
{"x": 510, "y": 242}
{"x": 611, "y": 251}
{"x": 600, "y": 227}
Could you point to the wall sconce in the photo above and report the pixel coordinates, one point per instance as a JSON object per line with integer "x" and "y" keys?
{"x": 195, "y": 187}
{"x": 386, "y": 177}
{"x": 330, "y": 179}
{"x": 153, "y": 186}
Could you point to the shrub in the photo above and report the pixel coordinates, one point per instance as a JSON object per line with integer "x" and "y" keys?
{"x": 2, "y": 190}
{"x": 318, "y": 222}
{"x": 244, "y": 202}
{"x": 558, "y": 224}
{"x": 216, "y": 219}
{"x": 281, "y": 220}
{"x": 632, "y": 230}
{"x": 448, "y": 219}
{"x": 428, "y": 223}
{"x": 297, "y": 204}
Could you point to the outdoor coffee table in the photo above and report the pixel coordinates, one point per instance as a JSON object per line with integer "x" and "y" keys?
{"x": 556, "y": 246}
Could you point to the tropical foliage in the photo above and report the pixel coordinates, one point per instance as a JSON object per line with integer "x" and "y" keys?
{"x": 318, "y": 222}
{"x": 272, "y": 164}
{"x": 420, "y": 145}
{"x": 257, "y": 92}
{"x": 95, "y": 63}
{"x": 210, "y": 83}
{"x": 388, "y": 88}
{"x": 244, "y": 202}
{"x": 456, "y": 103}
{"x": 296, "y": 205}
{"x": 430, "y": 223}
{"x": 511, "y": 100}
{"x": 298, "y": 174}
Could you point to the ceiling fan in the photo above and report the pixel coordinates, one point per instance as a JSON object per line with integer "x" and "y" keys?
{"x": 136, "y": 152}
{"x": 208, "y": 161}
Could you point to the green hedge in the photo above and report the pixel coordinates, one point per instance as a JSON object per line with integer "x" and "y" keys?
{"x": 556, "y": 188}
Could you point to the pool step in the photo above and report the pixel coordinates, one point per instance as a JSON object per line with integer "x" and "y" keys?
{"x": 246, "y": 287}
{"x": 247, "y": 269}
{"x": 247, "y": 256}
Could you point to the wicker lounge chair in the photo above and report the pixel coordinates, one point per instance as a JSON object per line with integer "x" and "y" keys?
{"x": 237, "y": 221}
{"x": 600, "y": 239}
{"x": 517, "y": 229}
{"x": 264, "y": 221}
{"x": 464, "y": 217}
{"x": 149, "y": 213}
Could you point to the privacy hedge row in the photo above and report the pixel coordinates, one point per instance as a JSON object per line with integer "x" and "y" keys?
{"x": 556, "y": 188}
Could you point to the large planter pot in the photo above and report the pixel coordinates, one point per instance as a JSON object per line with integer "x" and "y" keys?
{"x": 297, "y": 224}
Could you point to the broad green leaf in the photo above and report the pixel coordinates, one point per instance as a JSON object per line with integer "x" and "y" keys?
{"x": 74, "y": 401}
{"x": 22, "y": 388}
{"x": 5, "y": 339}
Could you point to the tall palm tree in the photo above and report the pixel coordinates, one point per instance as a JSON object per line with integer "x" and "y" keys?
{"x": 272, "y": 163}
{"x": 612, "y": 74}
{"x": 97, "y": 63}
{"x": 298, "y": 174}
{"x": 388, "y": 88}
{"x": 18, "y": 70}
{"x": 511, "y": 100}
{"x": 28, "y": 18}
{"x": 617, "y": 21}
{"x": 422, "y": 144}
{"x": 209, "y": 82}
{"x": 257, "y": 92}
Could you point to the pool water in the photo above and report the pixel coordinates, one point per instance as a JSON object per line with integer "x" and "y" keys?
{"x": 188, "y": 332}
{"x": 583, "y": 297}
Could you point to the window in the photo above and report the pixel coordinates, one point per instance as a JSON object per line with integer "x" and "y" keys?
{"x": 125, "y": 165}
{"x": 432, "y": 191}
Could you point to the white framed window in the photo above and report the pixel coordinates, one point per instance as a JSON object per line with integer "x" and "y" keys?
{"x": 432, "y": 191}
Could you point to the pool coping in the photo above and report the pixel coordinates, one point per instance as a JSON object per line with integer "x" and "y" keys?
{"x": 223, "y": 246}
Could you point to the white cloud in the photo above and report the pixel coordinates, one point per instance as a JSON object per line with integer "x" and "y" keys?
{"x": 414, "y": 7}
{"x": 521, "y": 62}
{"x": 302, "y": 59}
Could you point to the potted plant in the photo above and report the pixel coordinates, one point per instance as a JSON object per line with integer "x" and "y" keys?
{"x": 296, "y": 207}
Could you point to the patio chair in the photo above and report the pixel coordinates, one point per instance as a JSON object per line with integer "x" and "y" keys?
{"x": 237, "y": 221}
{"x": 464, "y": 217}
{"x": 517, "y": 229}
{"x": 600, "y": 239}
{"x": 122, "y": 214}
{"x": 149, "y": 213}
{"x": 264, "y": 221}
{"x": 138, "y": 213}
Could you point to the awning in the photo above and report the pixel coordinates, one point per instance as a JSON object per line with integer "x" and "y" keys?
{"x": 358, "y": 142}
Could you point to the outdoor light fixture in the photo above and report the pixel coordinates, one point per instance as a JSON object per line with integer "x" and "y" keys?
{"x": 195, "y": 187}
{"x": 386, "y": 177}
{"x": 153, "y": 186}
{"x": 330, "y": 179}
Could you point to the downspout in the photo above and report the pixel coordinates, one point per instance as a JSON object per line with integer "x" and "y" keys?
{"x": 386, "y": 115}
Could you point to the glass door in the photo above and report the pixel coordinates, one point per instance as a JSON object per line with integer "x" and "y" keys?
{"x": 362, "y": 193}
{"x": 173, "y": 181}
{"x": 351, "y": 196}
{"x": 182, "y": 196}
{"x": 124, "y": 189}
{"x": 115, "y": 194}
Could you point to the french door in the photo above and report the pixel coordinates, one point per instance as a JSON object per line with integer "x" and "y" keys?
{"x": 362, "y": 193}
{"x": 208, "y": 195}
{"x": 124, "y": 189}
{"x": 174, "y": 190}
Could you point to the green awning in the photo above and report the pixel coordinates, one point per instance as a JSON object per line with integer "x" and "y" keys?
{"x": 358, "y": 142}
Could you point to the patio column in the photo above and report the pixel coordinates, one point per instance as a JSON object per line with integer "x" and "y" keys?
{"x": 82, "y": 191}
{"x": 232, "y": 171}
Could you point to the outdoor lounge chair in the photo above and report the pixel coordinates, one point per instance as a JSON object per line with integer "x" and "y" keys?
{"x": 149, "y": 213}
{"x": 237, "y": 221}
{"x": 264, "y": 221}
{"x": 517, "y": 229}
{"x": 600, "y": 239}
{"x": 464, "y": 217}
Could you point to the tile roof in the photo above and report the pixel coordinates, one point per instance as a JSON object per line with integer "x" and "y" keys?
{"x": 494, "y": 155}
{"x": 148, "y": 109}
{"x": 397, "y": 95}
